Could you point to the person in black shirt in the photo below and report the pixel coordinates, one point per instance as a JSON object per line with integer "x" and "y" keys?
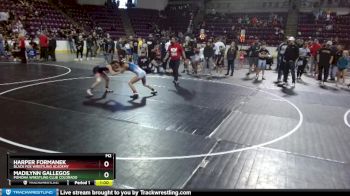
{"x": 188, "y": 47}
{"x": 117, "y": 4}
{"x": 290, "y": 56}
{"x": 324, "y": 59}
{"x": 75, "y": 38}
{"x": 231, "y": 55}
{"x": 95, "y": 44}
{"x": 89, "y": 46}
{"x": 52, "y": 47}
{"x": 121, "y": 53}
{"x": 34, "y": 45}
{"x": 163, "y": 52}
{"x": 7, "y": 48}
{"x": 280, "y": 60}
{"x": 80, "y": 47}
{"x": 150, "y": 45}
{"x": 71, "y": 43}
{"x": 156, "y": 63}
{"x": 338, "y": 53}
{"x": 208, "y": 57}
{"x": 253, "y": 56}
{"x": 135, "y": 50}
{"x": 144, "y": 63}
{"x": 263, "y": 54}
{"x": 109, "y": 48}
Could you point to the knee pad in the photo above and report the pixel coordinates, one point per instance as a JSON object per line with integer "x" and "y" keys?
{"x": 98, "y": 79}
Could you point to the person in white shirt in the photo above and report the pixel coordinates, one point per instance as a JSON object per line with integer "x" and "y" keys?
{"x": 144, "y": 48}
{"x": 219, "y": 51}
{"x": 127, "y": 47}
{"x": 167, "y": 45}
{"x": 304, "y": 54}
{"x": 196, "y": 60}
{"x": 201, "y": 52}
{"x": 219, "y": 44}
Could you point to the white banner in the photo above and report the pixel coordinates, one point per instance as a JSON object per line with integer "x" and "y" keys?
{"x": 4, "y": 16}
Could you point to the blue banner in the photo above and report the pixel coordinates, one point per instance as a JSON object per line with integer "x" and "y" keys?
{"x": 24, "y": 192}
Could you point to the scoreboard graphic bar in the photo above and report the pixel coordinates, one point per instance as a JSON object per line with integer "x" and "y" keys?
{"x": 69, "y": 169}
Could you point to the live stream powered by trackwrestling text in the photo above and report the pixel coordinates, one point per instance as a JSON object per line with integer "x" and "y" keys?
{"x": 57, "y": 192}
{"x": 125, "y": 192}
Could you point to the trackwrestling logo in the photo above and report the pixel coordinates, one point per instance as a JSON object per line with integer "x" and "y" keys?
{"x": 31, "y": 192}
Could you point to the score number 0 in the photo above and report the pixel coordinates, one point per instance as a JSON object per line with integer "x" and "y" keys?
{"x": 106, "y": 164}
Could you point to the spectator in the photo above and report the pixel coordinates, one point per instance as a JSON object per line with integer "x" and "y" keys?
{"x": 22, "y": 47}
{"x": 129, "y": 4}
{"x": 329, "y": 27}
{"x": 135, "y": 50}
{"x": 253, "y": 56}
{"x": 263, "y": 55}
{"x": 121, "y": 53}
{"x": 219, "y": 48}
{"x": 231, "y": 55}
{"x": 144, "y": 63}
{"x": 80, "y": 48}
{"x": 95, "y": 44}
{"x": 44, "y": 44}
{"x": 338, "y": 53}
{"x": 208, "y": 53}
{"x": 150, "y": 46}
{"x": 128, "y": 49}
{"x": 52, "y": 47}
{"x": 324, "y": 60}
{"x": 7, "y": 47}
{"x": 89, "y": 47}
{"x": 157, "y": 61}
{"x": 109, "y": 48}
{"x": 315, "y": 46}
{"x": 2, "y": 46}
{"x": 290, "y": 56}
{"x": 71, "y": 43}
{"x": 343, "y": 65}
{"x": 281, "y": 49}
{"x": 304, "y": 53}
{"x": 34, "y": 47}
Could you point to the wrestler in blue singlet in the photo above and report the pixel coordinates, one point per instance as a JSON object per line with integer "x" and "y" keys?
{"x": 137, "y": 70}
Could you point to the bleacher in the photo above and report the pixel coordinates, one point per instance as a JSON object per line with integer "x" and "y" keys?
{"x": 48, "y": 16}
{"x": 109, "y": 20}
{"x": 217, "y": 24}
{"x": 177, "y": 17}
{"x": 142, "y": 20}
{"x": 310, "y": 27}
{"x": 77, "y": 13}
